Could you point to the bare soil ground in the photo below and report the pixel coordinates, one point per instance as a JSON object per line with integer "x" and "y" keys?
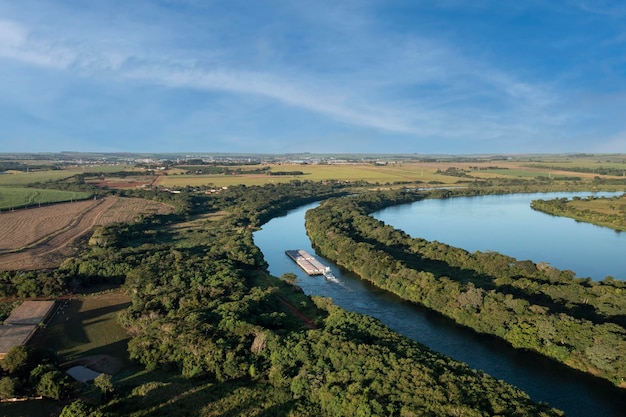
{"x": 40, "y": 238}
{"x": 124, "y": 183}
{"x": 19, "y": 229}
{"x": 120, "y": 184}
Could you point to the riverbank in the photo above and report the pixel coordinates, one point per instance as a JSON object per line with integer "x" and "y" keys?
{"x": 605, "y": 212}
{"x": 577, "y": 393}
{"x": 530, "y": 306}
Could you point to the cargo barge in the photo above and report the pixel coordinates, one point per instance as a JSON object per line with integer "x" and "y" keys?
{"x": 310, "y": 264}
{"x": 306, "y": 261}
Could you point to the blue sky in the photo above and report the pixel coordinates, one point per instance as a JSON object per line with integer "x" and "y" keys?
{"x": 366, "y": 76}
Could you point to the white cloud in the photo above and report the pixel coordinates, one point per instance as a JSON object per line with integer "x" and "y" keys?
{"x": 408, "y": 83}
{"x": 286, "y": 92}
{"x": 16, "y": 43}
{"x": 11, "y": 34}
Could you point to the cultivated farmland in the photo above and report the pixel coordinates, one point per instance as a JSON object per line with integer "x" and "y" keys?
{"x": 12, "y": 198}
{"x": 41, "y": 237}
{"x": 441, "y": 172}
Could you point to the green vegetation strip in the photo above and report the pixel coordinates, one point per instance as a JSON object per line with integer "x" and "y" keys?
{"x": 614, "y": 169}
{"x": 22, "y": 179}
{"x": 201, "y": 309}
{"x": 209, "y": 326}
{"x": 13, "y": 198}
{"x": 607, "y": 212}
{"x": 578, "y": 322}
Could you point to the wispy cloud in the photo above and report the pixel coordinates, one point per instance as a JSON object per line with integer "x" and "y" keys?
{"x": 337, "y": 106}
{"x": 613, "y": 8}
{"x": 16, "y": 44}
{"x": 343, "y": 64}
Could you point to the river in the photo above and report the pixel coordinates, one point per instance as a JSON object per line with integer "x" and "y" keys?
{"x": 579, "y": 395}
{"x": 507, "y": 224}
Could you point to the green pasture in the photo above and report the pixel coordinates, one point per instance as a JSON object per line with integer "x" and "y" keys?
{"x": 242, "y": 168}
{"x": 362, "y": 172}
{"x": 218, "y": 180}
{"x": 391, "y": 173}
{"x": 79, "y": 328}
{"x": 103, "y": 168}
{"x": 515, "y": 173}
{"x": 582, "y": 163}
{"x": 611, "y": 206}
{"x": 575, "y": 158}
{"x": 87, "y": 325}
{"x": 13, "y": 197}
{"x": 18, "y": 178}
{"x": 370, "y": 173}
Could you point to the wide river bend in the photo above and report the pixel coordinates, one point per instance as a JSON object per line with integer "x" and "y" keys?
{"x": 579, "y": 395}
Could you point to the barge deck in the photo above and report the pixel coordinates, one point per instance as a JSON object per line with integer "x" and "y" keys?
{"x": 307, "y": 262}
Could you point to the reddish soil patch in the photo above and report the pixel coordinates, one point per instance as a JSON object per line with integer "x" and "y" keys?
{"x": 156, "y": 180}
{"x": 135, "y": 181}
{"x": 307, "y": 321}
{"x": 120, "y": 184}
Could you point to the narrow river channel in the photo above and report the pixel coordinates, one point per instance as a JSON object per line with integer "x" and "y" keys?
{"x": 579, "y": 395}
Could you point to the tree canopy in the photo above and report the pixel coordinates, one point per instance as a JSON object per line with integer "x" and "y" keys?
{"x": 578, "y": 322}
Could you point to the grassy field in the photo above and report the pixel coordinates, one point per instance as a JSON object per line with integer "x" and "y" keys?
{"x": 611, "y": 206}
{"x": 617, "y": 162}
{"x": 520, "y": 173}
{"x": 105, "y": 169}
{"x": 18, "y": 178}
{"x": 85, "y": 331}
{"x": 388, "y": 173}
{"x": 382, "y": 174}
{"x": 13, "y": 197}
{"x": 426, "y": 172}
{"x": 85, "y": 326}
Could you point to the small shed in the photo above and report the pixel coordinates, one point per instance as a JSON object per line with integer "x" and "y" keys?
{"x": 14, "y": 336}
{"x": 30, "y": 312}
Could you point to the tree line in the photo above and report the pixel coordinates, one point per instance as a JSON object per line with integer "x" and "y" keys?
{"x": 209, "y": 325}
{"x": 613, "y": 215}
{"x": 575, "y": 321}
{"x": 601, "y": 170}
{"x": 201, "y": 309}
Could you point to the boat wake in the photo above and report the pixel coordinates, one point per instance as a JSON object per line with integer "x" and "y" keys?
{"x": 328, "y": 274}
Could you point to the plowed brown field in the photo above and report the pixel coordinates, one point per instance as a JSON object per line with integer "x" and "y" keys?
{"x": 39, "y": 238}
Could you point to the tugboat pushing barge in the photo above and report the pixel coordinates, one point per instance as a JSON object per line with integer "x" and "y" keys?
{"x": 310, "y": 264}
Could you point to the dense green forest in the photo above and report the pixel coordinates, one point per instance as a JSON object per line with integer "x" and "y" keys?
{"x": 606, "y": 211}
{"x": 216, "y": 337}
{"x": 575, "y": 321}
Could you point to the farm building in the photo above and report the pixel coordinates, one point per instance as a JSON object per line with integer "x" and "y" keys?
{"x": 20, "y": 326}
